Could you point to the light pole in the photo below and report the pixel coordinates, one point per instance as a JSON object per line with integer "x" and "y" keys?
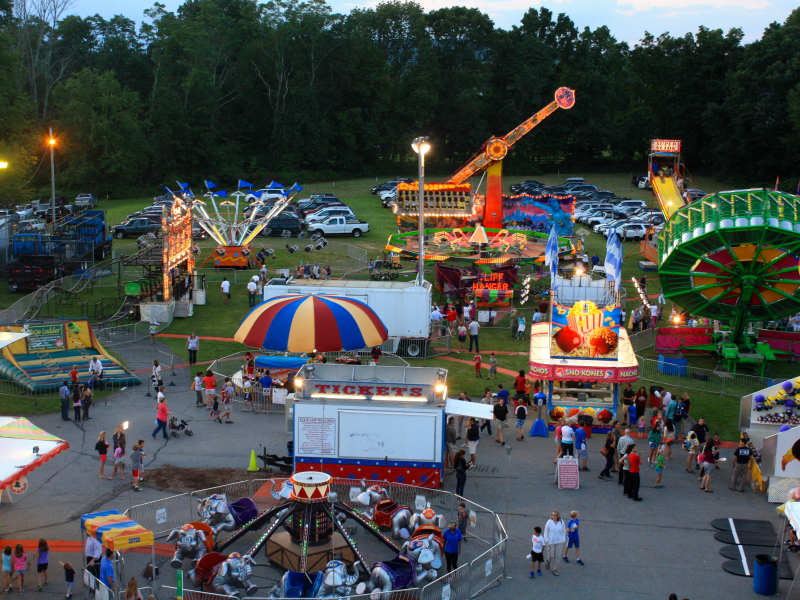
{"x": 52, "y": 143}
{"x": 421, "y": 146}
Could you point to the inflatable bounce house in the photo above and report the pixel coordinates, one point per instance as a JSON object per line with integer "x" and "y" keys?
{"x": 42, "y": 361}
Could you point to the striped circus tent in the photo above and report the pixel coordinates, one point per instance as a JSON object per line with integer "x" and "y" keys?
{"x": 311, "y": 323}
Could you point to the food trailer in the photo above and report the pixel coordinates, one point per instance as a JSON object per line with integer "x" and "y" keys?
{"x": 582, "y": 354}
{"x": 371, "y": 422}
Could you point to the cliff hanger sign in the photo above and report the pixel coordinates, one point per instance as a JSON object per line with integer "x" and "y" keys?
{"x": 491, "y": 282}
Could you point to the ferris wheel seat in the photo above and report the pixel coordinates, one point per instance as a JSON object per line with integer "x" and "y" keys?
{"x": 698, "y": 231}
{"x": 725, "y": 223}
{"x": 773, "y": 222}
{"x": 710, "y": 227}
{"x": 797, "y": 227}
{"x": 787, "y": 225}
{"x": 742, "y": 221}
{"x": 686, "y": 236}
{"x": 756, "y": 220}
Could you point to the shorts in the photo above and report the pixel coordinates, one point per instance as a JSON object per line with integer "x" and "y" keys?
{"x": 536, "y": 556}
{"x": 20, "y": 572}
{"x": 653, "y": 445}
{"x": 493, "y": 370}
{"x": 520, "y": 423}
{"x": 41, "y": 568}
{"x": 70, "y": 586}
{"x": 567, "y": 448}
{"x": 119, "y": 461}
{"x": 211, "y": 392}
{"x": 462, "y": 338}
{"x": 103, "y": 458}
{"x": 574, "y": 543}
{"x": 136, "y": 473}
{"x": 641, "y": 429}
{"x": 472, "y": 446}
{"x": 583, "y": 454}
{"x": 659, "y": 471}
{"x": 452, "y": 449}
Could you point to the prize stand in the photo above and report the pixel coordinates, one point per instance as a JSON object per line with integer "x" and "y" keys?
{"x": 117, "y": 533}
{"x": 582, "y": 354}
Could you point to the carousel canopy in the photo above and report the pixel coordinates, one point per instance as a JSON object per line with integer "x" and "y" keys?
{"x": 116, "y": 531}
{"x": 18, "y": 437}
{"x": 311, "y": 323}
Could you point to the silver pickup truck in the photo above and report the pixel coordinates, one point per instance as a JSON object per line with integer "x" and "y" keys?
{"x": 340, "y": 225}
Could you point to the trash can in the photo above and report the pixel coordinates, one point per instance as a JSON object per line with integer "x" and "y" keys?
{"x": 765, "y": 575}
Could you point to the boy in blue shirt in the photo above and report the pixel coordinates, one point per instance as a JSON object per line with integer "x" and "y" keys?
{"x": 573, "y": 538}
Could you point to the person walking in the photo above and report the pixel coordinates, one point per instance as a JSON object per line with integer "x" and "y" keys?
{"x": 210, "y": 383}
{"x": 521, "y": 413}
{"x": 521, "y": 327}
{"x": 77, "y": 396}
{"x": 42, "y": 562}
{"x": 741, "y": 467}
{"x": 537, "y": 551}
{"x": 654, "y": 441}
{"x": 20, "y": 561}
{"x": 137, "y": 456}
{"x": 487, "y": 399}
{"x": 462, "y": 338}
{"x": 119, "y": 438}
{"x": 555, "y": 536}
{"x": 102, "y": 450}
{"x": 197, "y": 388}
{"x": 132, "y": 591}
{"x": 514, "y": 323}
{"x": 708, "y": 464}
{"x": 573, "y": 537}
{"x": 86, "y": 399}
{"x": 451, "y": 443}
{"x": 69, "y": 578}
{"x": 452, "y": 545}
{"x": 474, "y": 328}
{"x": 628, "y": 398}
{"x": 460, "y": 466}
{"x": 119, "y": 461}
{"x": 473, "y": 437}
{"x": 617, "y": 431}
{"x": 608, "y": 452}
{"x": 500, "y": 411}
{"x": 162, "y": 414}
{"x": 252, "y": 288}
{"x": 192, "y": 345}
{"x": 567, "y": 440}
{"x": 225, "y": 286}
{"x": 669, "y": 434}
{"x": 581, "y": 449}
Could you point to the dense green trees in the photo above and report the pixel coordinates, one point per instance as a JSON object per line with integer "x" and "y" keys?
{"x": 288, "y": 89}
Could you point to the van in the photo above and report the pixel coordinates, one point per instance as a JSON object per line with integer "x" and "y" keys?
{"x": 632, "y": 204}
{"x": 575, "y": 180}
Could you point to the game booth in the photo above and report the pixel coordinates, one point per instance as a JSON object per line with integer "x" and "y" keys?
{"x": 583, "y": 354}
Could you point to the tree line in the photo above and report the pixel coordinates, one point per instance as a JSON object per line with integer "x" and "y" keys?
{"x": 290, "y": 90}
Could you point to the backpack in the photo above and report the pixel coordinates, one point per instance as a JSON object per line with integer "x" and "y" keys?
{"x": 521, "y": 412}
{"x": 680, "y": 411}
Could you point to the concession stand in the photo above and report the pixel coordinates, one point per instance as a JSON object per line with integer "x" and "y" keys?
{"x": 582, "y": 356}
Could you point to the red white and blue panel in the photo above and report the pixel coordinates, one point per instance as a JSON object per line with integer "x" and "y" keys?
{"x": 422, "y": 474}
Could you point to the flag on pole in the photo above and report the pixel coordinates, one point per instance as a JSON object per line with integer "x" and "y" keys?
{"x": 275, "y": 185}
{"x": 256, "y": 194}
{"x": 210, "y": 184}
{"x": 551, "y": 256}
{"x": 243, "y": 184}
{"x": 613, "y": 262}
{"x": 778, "y": 184}
{"x": 221, "y": 194}
{"x": 183, "y": 186}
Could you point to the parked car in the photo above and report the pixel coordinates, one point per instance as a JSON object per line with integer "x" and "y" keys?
{"x": 318, "y": 203}
{"x": 312, "y": 197}
{"x": 25, "y": 211}
{"x": 605, "y": 217}
{"x": 135, "y": 227}
{"x": 32, "y": 225}
{"x": 693, "y": 194}
{"x": 333, "y": 211}
{"x": 341, "y": 225}
{"x": 644, "y": 183}
{"x": 637, "y": 179}
{"x": 392, "y": 183}
{"x": 152, "y": 217}
{"x": 632, "y": 203}
{"x": 9, "y": 215}
{"x": 46, "y": 213}
{"x": 277, "y": 225}
{"x": 517, "y": 188}
{"x": 85, "y": 201}
{"x": 632, "y": 231}
{"x": 158, "y": 199}
{"x": 266, "y": 194}
{"x": 198, "y": 233}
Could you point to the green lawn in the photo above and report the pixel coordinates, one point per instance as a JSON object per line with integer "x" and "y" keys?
{"x": 216, "y": 319}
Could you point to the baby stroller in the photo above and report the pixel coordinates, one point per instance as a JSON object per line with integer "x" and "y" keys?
{"x": 176, "y": 425}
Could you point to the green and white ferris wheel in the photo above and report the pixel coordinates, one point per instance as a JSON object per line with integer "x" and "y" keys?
{"x": 733, "y": 256}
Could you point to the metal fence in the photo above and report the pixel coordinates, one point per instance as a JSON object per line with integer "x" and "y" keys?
{"x": 706, "y": 380}
{"x": 643, "y": 339}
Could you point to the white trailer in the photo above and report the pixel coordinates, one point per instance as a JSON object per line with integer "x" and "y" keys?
{"x": 404, "y": 307}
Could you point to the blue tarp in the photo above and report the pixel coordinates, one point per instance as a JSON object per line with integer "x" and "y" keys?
{"x": 280, "y": 363}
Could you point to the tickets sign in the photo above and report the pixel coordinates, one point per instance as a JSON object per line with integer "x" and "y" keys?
{"x": 666, "y": 146}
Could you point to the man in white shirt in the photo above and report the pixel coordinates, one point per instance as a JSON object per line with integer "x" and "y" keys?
{"x": 474, "y": 327}
{"x": 251, "y": 292}
{"x": 94, "y": 552}
{"x": 653, "y": 315}
{"x": 95, "y": 367}
{"x": 264, "y": 274}
{"x": 226, "y": 289}
{"x": 537, "y": 317}
{"x": 666, "y": 398}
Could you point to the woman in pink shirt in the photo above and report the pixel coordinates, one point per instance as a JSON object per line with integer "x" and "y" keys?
{"x": 161, "y": 418}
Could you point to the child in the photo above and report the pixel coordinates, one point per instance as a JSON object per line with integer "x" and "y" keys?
{"x": 136, "y": 466}
{"x": 537, "y": 549}
{"x": 20, "y": 561}
{"x": 69, "y": 576}
{"x": 716, "y": 443}
{"x": 478, "y": 365}
{"x": 641, "y": 424}
{"x": 463, "y": 519}
{"x": 492, "y": 366}
{"x": 74, "y": 374}
{"x": 8, "y": 570}
{"x": 573, "y": 538}
{"x": 119, "y": 461}
{"x": 247, "y": 388}
{"x": 141, "y": 470}
{"x": 102, "y": 449}
{"x": 76, "y": 403}
{"x": 197, "y": 386}
{"x": 42, "y": 560}
{"x": 659, "y": 467}
{"x": 632, "y": 414}
{"x": 215, "y": 416}
{"x": 691, "y": 445}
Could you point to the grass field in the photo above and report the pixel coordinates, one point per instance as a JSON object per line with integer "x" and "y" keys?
{"x": 216, "y": 319}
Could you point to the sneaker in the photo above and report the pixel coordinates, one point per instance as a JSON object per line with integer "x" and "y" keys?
{"x": 137, "y": 489}
{"x": 40, "y": 588}
{"x": 142, "y": 481}
{"x": 579, "y": 561}
{"x": 585, "y": 469}
{"x": 228, "y": 422}
{"x": 566, "y": 560}
{"x": 539, "y": 572}
{"x": 532, "y": 574}
{"x": 658, "y": 485}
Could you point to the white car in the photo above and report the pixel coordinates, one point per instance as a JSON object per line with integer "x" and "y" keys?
{"x": 32, "y": 225}
{"x": 384, "y": 194}
{"x": 266, "y": 194}
{"x": 25, "y": 211}
{"x": 329, "y": 211}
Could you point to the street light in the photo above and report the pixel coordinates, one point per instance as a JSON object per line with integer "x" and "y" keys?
{"x": 3, "y": 165}
{"x": 421, "y": 146}
{"x": 52, "y": 143}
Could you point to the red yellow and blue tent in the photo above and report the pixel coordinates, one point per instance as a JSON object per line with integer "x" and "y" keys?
{"x": 116, "y": 531}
